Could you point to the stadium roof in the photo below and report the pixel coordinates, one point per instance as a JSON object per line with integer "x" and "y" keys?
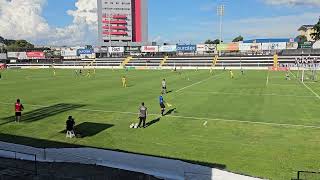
{"x": 270, "y": 40}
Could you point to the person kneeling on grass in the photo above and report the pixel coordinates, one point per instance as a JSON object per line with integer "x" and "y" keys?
{"x": 143, "y": 111}
{"x": 70, "y": 126}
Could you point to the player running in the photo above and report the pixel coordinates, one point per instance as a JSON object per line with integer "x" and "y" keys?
{"x": 231, "y": 74}
{"x": 162, "y": 106}
{"x": 18, "y": 107}
{"x": 164, "y": 86}
{"x": 124, "y": 82}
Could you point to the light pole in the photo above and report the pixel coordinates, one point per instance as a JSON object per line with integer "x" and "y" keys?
{"x": 220, "y": 13}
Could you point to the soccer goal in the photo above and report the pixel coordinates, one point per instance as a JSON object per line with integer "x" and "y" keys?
{"x": 308, "y": 70}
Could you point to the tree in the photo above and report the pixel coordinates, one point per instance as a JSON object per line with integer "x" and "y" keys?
{"x": 301, "y": 39}
{"x": 237, "y": 39}
{"x": 209, "y": 41}
{"x": 316, "y": 34}
{"x": 217, "y": 41}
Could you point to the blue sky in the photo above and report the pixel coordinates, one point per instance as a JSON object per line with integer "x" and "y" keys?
{"x": 185, "y": 21}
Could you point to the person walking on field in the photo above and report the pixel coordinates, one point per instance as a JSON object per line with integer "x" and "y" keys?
{"x": 143, "y": 111}
{"x": 18, "y": 107}
{"x": 164, "y": 86}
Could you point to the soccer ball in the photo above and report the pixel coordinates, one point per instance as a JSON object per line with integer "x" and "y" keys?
{"x": 134, "y": 125}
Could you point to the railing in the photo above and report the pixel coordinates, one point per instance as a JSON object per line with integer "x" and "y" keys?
{"x": 308, "y": 175}
{"x": 21, "y": 156}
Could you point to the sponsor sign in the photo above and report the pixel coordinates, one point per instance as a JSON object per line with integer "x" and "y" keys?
{"x": 17, "y": 55}
{"x": 305, "y": 45}
{"x": 186, "y": 48}
{"x": 3, "y": 56}
{"x": 69, "y": 53}
{"x": 206, "y": 47}
{"x": 3, "y": 66}
{"x": 36, "y": 55}
{"x": 85, "y": 51}
{"x": 168, "y": 48}
{"x": 292, "y": 45}
{"x": 115, "y": 49}
{"x": 233, "y": 47}
{"x": 129, "y": 49}
{"x": 250, "y": 46}
{"x": 150, "y": 49}
{"x": 201, "y": 48}
{"x": 274, "y": 46}
{"x": 316, "y": 45}
{"x": 222, "y": 47}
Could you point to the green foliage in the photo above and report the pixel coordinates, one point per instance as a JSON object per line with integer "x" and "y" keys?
{"x": 217, "y": 41}
{"x": 316, "y": 34}
{"x": 238, "y": 39}
{"x": 301, "y": 39}
{"x": 16, "y": 45}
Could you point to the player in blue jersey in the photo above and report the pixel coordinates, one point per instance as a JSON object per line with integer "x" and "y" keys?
{"x": 162, "y": 106}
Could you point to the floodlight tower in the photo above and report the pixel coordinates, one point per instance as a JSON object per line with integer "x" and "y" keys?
{"x": 220, "y": 13}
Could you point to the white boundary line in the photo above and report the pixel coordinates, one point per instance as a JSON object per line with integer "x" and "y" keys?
{"x": 198, "y": 82}
{"x": 317, "y": 95}
{"x": 193, "y": 118}
{"x": 244, "y": 94}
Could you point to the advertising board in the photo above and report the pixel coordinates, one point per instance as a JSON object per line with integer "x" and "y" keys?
{"x": 186, "y": 48}
{"x": 151, "y": 49}
{"x": 316, "y": 45}
{"x": 168, "y": 48}
{"x": 115, "y": 49}
{"x": 69, "y": 52}
{"x": 3, "y": 55}
{"x": 292, "y": 45}
{"x": 274, "y": 46}
{"x": 36, "y": 55}
{"x": 17, "y": 55}
{"x": 85, "y": 51}
{"x": 129, "y": 49}
{"x": 250, "y": 47}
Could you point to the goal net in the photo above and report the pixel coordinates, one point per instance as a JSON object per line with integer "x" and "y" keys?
{"x": 308, "y": 70}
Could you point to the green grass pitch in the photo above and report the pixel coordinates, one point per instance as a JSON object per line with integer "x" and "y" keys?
{"x": 257, "y": 124}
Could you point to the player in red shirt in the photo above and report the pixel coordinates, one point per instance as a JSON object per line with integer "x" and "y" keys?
{"x": 18, "y": 107}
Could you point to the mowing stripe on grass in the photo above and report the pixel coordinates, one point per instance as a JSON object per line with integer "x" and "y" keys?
{"x": 198, "y": 82}
{"x": 192, "y": 118}
{"x": 246, "y": 94}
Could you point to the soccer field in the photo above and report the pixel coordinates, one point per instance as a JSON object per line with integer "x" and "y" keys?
{"x": 257, "y": 124}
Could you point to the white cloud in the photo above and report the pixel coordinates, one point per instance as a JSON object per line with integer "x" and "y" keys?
{"x": 21, "y": 19}
{"x": 294, "y": 2}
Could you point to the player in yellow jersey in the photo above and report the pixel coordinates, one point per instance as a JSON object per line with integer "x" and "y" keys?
{"x": 231, "y": 74}
{"x": 124, "y": 82}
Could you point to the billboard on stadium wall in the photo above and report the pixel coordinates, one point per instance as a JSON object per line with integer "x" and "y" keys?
{"x": 292, "y": 45}
{"x": 233, "y": 47}
{"x": 36, "y": 55}
{"x": 133, "y": 49}
{"x": 116, "y": 49}
{"x": 186, "y": 48}
{"x": 250, "y": 47}
{"x": 84, "y": 51}
{"x": 3, "y": 55}
{"x": 17, "y": 55}
{"x": 168, "y": 48}
{"x": 201, "y": 48}
{"x": 316, "y": 45}
{"x": 69, "y": 53}
{"x": 222, "y": 47}
{"x": 274, "y": 46}
{"x": 211, "y": 47}
{"x": 150, "y": 49}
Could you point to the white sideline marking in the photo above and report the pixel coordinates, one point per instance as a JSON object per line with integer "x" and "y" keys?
{"x": 317, "y": 95}
{"x": 244, "y": 94}
{"x": 199, "y": 82}
{"x": 193, "y": 118}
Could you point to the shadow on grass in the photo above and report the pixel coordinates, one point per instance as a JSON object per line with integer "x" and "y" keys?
{"x": 41, "y": 143}
{"x": 43, "y": 112}
{"x": 88, "y": 129}
{"x": 170, "y": 112}
{"x": 150, "y": 123}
